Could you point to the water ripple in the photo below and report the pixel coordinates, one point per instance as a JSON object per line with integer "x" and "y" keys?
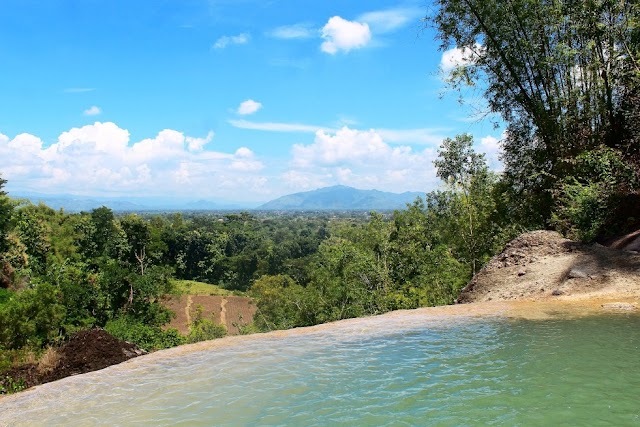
{"x": 399, "y": 371}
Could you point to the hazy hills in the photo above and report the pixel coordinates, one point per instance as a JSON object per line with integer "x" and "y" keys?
{"x": 341, "y": 197}
{"x": 338, "y": 197}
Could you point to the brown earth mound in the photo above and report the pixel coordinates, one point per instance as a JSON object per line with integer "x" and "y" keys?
{"x": 542, "y": 264}
{"x": 86, "y": 351}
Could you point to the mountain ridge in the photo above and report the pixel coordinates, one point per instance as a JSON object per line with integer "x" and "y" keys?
{"x": 341, "y": 197}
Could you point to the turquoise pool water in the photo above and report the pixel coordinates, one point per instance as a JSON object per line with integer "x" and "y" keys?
{"x": 405, "y": 370}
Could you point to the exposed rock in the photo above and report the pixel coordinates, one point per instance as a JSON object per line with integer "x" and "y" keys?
{"x": 575, "y": 273}
{"x": 557, "y": 293}
{"x": 625, "y": 306}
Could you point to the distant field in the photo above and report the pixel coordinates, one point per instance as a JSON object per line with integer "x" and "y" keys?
{"x": 192, "y": 287}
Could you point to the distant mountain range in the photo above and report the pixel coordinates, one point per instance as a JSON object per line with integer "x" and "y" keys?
{"x": 338, "y": 197}
{"x": 72, "y": 203}
{"x": 341, "y": 197}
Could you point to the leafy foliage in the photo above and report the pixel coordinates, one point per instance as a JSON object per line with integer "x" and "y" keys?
{"x": 5, "y": 215}
{"x": 143, "y": 335}
{"x": 32, "y": 317}
{"x": 586, "y": 204}
{"x": 202, "y": 329}
{"x": 563, "y": 75}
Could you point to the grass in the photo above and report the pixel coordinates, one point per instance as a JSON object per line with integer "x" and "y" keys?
{"x": 48, "y": 361}
{"x": 192, "y": 287}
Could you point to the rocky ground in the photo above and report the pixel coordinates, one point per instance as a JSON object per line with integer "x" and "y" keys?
{"x": 542, "y": 265}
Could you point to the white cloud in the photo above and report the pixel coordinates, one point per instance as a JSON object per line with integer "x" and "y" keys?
{"x": 244, "y": 161}
{"x": 226, "y": 41}
{"x": 296, "y": 31}
{"x": 389, "y": 20}
{"x": 197, "y": 144}
{"x": 456, "y": 57}
{"x": 491, "y": 147}
{"x": 412, "y": 136}
{"x": 423, "y": 136}
{"x": 342, "y": 35}
{"x": 248, "y": 107}
{"x": 92, "y": 111}
{"x": 100, "y": 159}
{"x": 275, "y": 126}
{"x": 361, "y": 159}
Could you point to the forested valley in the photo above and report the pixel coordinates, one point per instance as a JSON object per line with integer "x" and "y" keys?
{"x": 562, "y": 76}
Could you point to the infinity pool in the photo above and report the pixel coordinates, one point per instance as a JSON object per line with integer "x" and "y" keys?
{"x": 406, "y": 369}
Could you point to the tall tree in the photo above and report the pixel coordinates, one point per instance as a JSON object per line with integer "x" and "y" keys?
{"x": 5, "y": 215}
{"x": 464, "y": 210}
{"x": 559, "y": 72}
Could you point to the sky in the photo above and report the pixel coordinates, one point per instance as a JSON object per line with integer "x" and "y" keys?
{"x": 227, "y": 100}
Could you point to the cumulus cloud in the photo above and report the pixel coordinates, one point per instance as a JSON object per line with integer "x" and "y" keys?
{"x": 342, "y": 35}
{"x": 92, "y": 111}
{"x": 491, "y": 147}
{"x": 225, "y": 41}
{"x": 361, "y": 159}
{"x": 456, "y": 57}
{"x": 197, "y": 144}
{"x": 296, "y": 31}
{"x": 424, "y": 136}
{"x": 248, "y": 107}
{"x": 389, "y": 20}
{"x": 244, "y": 161}
{"x": 100, "y": 159}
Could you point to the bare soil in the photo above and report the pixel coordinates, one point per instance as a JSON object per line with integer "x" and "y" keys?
{"x": 542, "y": 265}
{"x": 86, "y": 351}
{"x": 230, "y": 311}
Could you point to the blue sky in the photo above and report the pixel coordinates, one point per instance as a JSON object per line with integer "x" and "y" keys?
{"x": 235, "y": 100}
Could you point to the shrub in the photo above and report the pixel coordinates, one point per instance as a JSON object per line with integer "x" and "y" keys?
{"x": 144, "y": 336}
{"x": 581, "y": 211}
{"x": 32, "y": 317}
{"x": 204, "y": 329}
{"x": 587, "y": 202}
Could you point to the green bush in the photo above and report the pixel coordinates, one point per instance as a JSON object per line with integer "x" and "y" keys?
{"x": 8, "y": 385}
{"x": 581, "y": 210}
{"x": 586, "y": 202}
{"x": 5, "y": 295}
{"x": 32, "y": 317}
{"x": 204, "y": 329}
{"x": 144, "y": 336}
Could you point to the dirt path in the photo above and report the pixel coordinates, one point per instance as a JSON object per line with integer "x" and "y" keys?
{"x": 187, "y": 309}
{"x": 223, "y": 312}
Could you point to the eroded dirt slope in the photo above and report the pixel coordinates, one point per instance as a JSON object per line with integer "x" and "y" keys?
{"x": 542, "y": 265}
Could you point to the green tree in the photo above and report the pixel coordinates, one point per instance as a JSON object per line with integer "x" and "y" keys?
{"x": 560, "y": 73}
{"x": 6, "y": 209}
{"x": 138, "y": 237}
{"x": 284, "y": 304}
{"x": 32, "y": 317}
{"x": 465, "y": 210}
{"x": 34, "y": 232}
